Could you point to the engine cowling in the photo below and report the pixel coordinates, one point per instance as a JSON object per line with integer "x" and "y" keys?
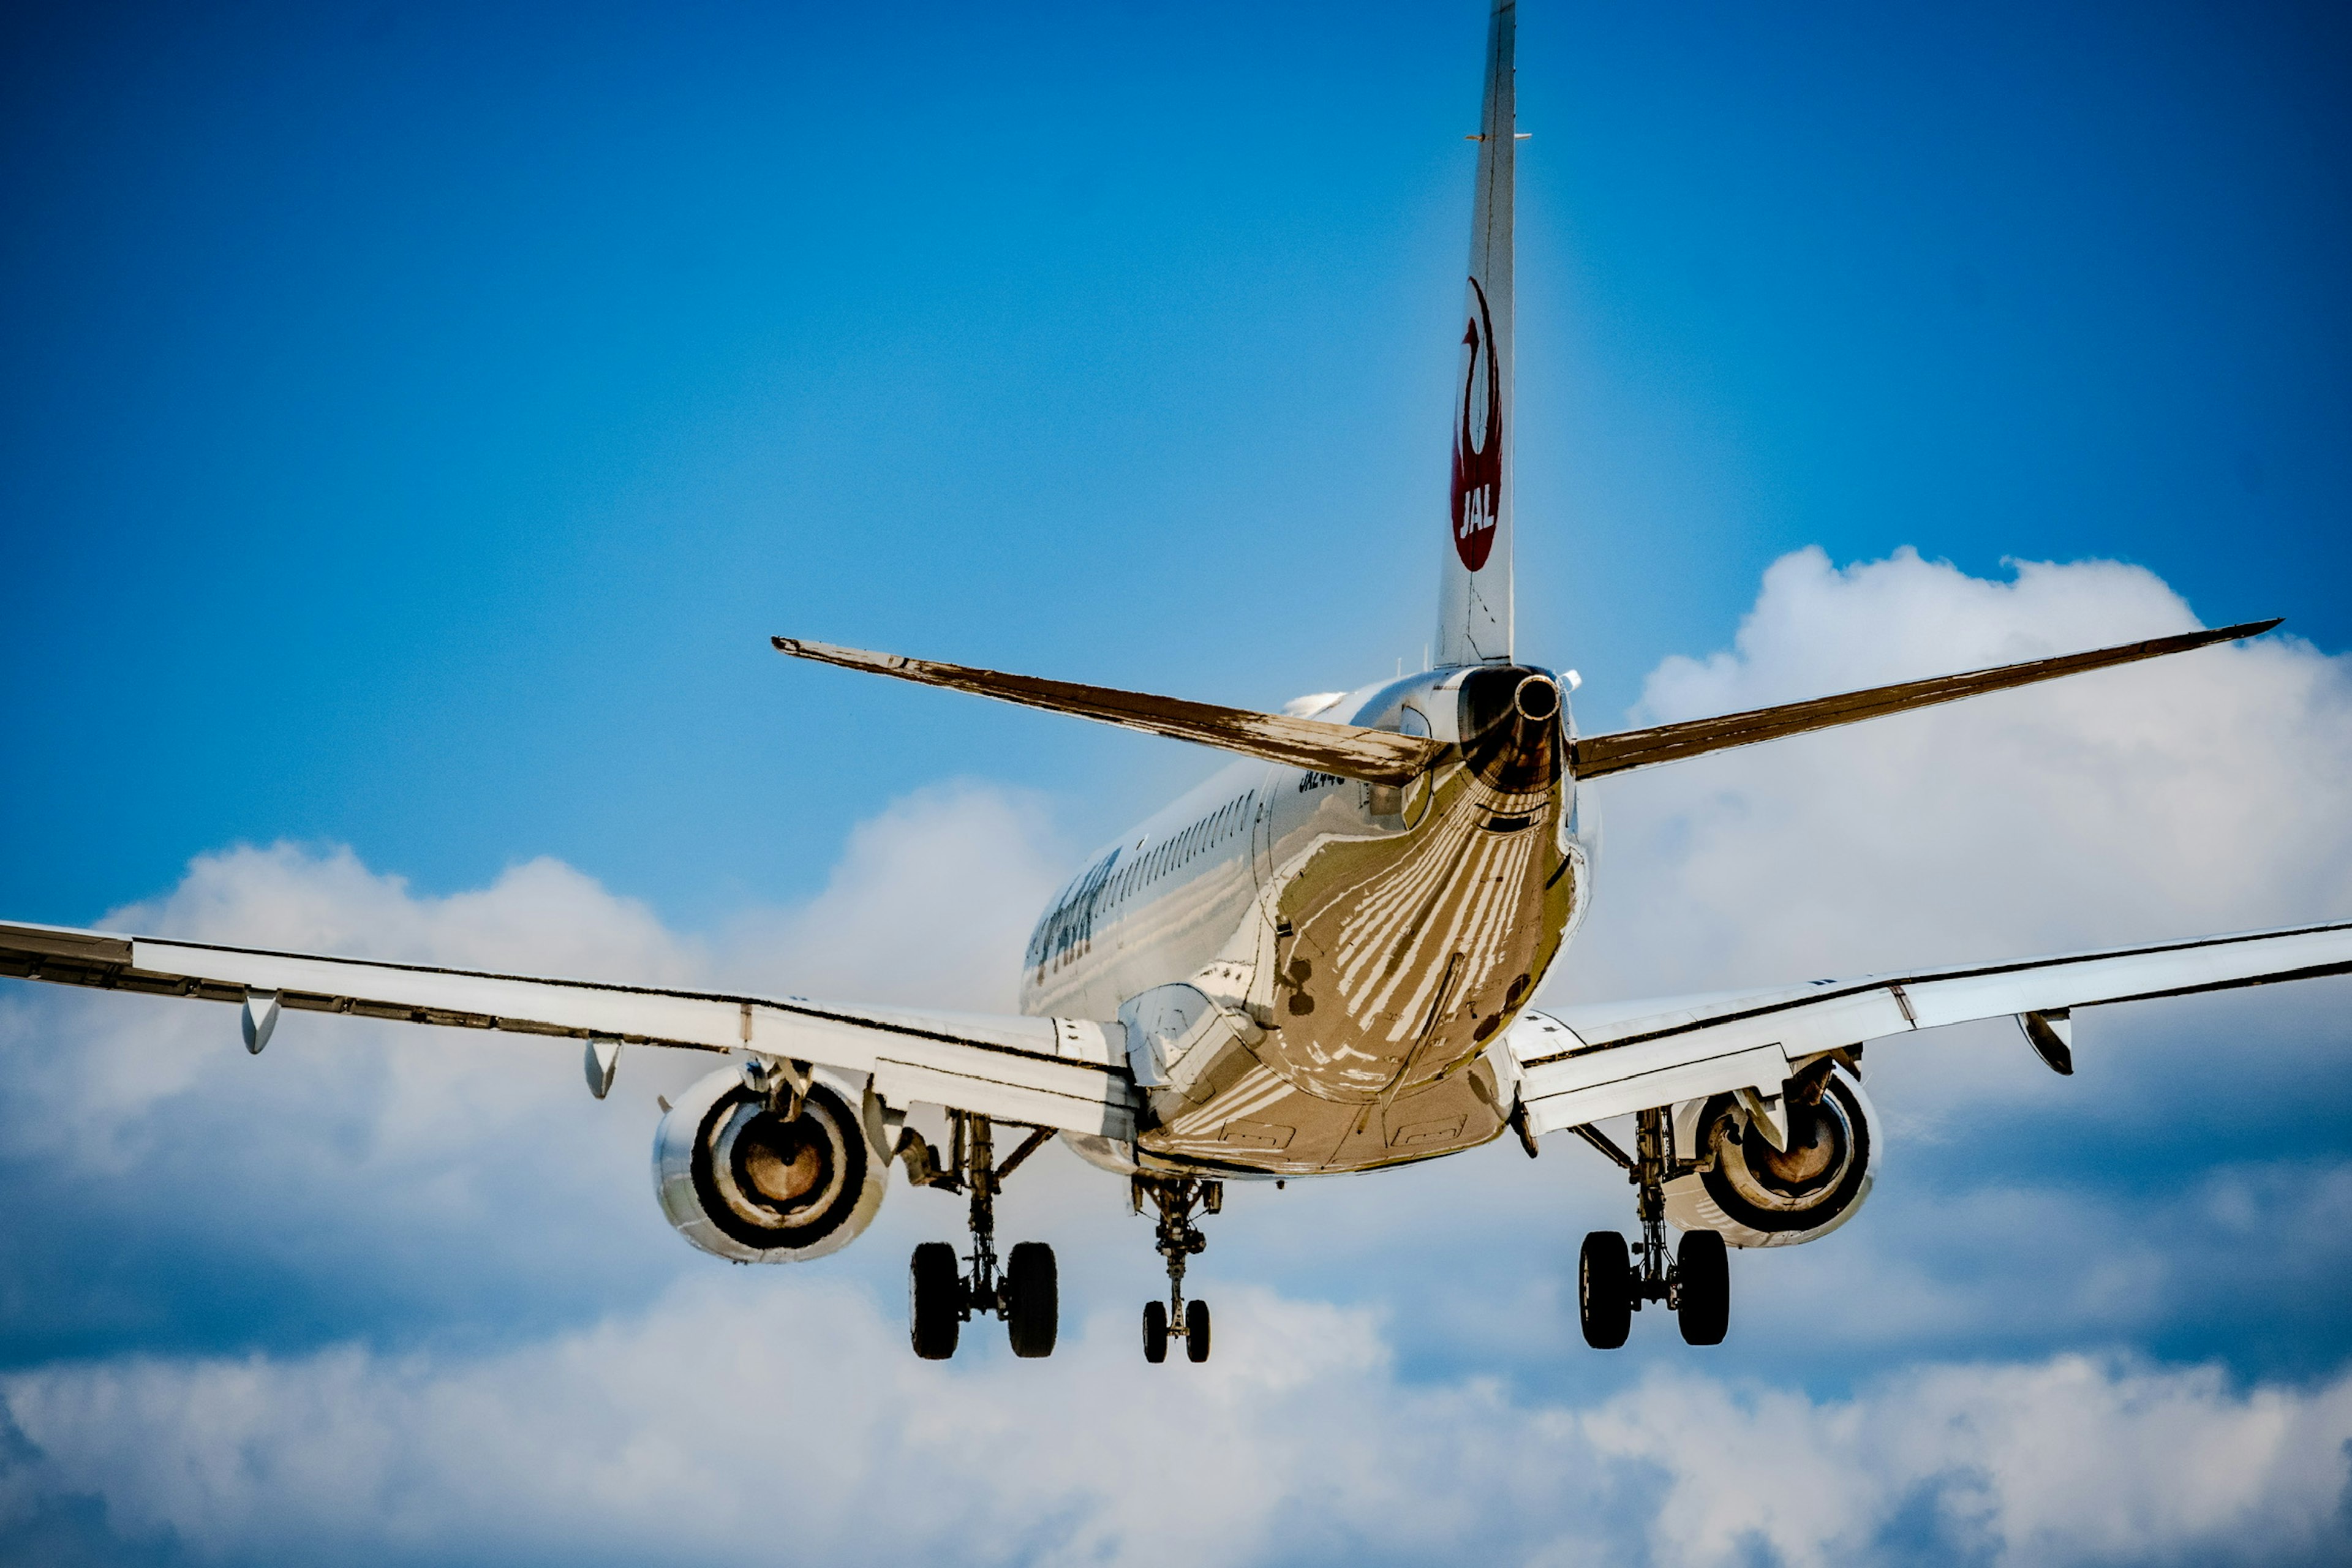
{"x": 1757, "y": 1195}
{"x": 742, "y": 1182}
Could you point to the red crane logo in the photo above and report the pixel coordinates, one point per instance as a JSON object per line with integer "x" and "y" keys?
{"x": 1478, "y": 442}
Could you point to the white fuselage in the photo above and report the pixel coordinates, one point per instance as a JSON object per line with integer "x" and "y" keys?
{"x": 1314, "y": 971}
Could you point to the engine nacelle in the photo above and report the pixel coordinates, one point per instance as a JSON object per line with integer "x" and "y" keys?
{"x": 738, "y": 1180}
{"x": 1755, "y": 1195}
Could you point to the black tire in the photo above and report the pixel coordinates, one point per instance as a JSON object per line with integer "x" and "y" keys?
{"x": 1196, "y": 1331}
{"x": 1702, "y": 1288}
{"x": 1033, "y": 1300}
{"x": 934, "y": 1301}
{"x": 1604, "y": 1291}
{"x": 1155, "y": 1331}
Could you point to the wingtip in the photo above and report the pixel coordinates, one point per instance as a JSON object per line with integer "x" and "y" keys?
{"x": 2231, "y": 633}
{"x": 2241, "y": 630}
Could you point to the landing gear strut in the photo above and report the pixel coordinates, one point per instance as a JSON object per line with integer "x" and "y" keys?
{"x": 941, "y": 1297}
{"x": 1696, "y": 1284}
{"x": 1178, "y": 1239}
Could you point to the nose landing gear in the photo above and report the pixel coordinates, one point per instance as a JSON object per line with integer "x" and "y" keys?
{"x": 1178, "y": 1239}
{"x": 1610, "y": 1287}
{"x": 941, "y": 1297}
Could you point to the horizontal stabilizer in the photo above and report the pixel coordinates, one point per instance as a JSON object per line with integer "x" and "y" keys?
{"x": 1376, "y": 756}
{"x": 1597, "y": 756}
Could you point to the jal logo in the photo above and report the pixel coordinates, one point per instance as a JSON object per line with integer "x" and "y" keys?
{"x": 1478, "y": 440}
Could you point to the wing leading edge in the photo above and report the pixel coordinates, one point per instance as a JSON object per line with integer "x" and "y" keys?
{"x": 1582, "y": 1063}
{"x": 1064, "y": 1073}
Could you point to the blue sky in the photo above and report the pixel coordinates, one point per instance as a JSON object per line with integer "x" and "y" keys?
{"x": 414, "y": 422}
{"x": 420, "y": 417}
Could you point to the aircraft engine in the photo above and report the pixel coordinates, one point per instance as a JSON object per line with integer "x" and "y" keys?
{"x": 1757, "y": 1195}
{"x": 741, "y": 1180}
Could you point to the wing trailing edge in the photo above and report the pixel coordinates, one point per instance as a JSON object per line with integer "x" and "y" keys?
{"x": 1596, "y": 756}
{"x": 1376, "y": 756}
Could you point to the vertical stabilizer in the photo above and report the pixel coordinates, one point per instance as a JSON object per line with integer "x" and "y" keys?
{"x": 1473, "y": 610}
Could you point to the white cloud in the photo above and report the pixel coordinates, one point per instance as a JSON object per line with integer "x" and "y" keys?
{"x": 427, "y": 1172}
{"x": 2071, "y": 1460}
{"x": 2207, "y": 791}
{"x": 2211, "y": 791}
{"x": 780, "y": 1421}
{"x": 930, "y": 906}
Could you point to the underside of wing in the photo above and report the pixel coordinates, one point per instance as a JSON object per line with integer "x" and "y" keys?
{"x": 1064, "y": 1073}
{"x": 1376, "y": 756}
{"x": 1580, "y": 1064}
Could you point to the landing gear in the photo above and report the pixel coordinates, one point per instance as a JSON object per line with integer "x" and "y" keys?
{"x": 935, "y": 1308}
{"x": 1178, "y": 1239}
{"x": 940, "y": 1298}
{"x": 1701, "y": 1295}
{"x": 1611, "y": 1287}
{"x": 1196, "y": 1331}
{"x": 1033, "y": 1312}
{"x": 1604, "y": 1291}
{"x": 1155, "y": 1331}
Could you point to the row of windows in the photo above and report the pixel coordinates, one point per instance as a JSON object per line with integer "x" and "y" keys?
{"x": 1181, "y": 848}
{"x": 1064, "y": 936}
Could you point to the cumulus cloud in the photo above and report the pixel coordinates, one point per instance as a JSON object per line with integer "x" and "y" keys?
{"x": 931, "y": 905}
{"x": 2211, "y": 791}
{"x": 2208, "y": 791}
{"x": 404, "y": 1292}
{"x": 782, "y": 1423}
{"x": 402, "y": 1174}
{"x": 2069, "y": 1460}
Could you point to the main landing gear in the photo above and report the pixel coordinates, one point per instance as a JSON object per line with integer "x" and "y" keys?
{"x": 1610, "y": 1288}
{"x": 940, "y": 1298}
{"x": 1178, "y": 1239}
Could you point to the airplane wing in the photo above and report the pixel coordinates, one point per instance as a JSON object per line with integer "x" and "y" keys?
{"x": 1064, "y": 1073}
{"x": 1579, "y": 1064}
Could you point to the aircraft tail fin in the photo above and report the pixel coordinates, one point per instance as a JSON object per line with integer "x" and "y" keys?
{"x": 1473, "y": 613}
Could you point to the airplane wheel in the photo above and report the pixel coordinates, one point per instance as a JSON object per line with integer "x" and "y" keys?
{"x": 934, "y": 1301}
{"x": 1155, "y": 1331}
{"x": 1604, "y": 1289}
{"x": 1196, "y": 1331}
{"x": 1702, "y": 1288}
{"x": 1033, "y": 1293}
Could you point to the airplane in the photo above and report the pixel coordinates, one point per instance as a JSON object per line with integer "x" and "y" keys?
{"x": 1324, "y": 960}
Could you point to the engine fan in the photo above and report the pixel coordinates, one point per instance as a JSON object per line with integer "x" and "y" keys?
{"x": 742, "y": 1179}
{"x": 1754, "y": 1194}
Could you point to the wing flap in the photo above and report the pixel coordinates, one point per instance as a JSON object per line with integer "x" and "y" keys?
{"x": 1618, "y": 1083}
